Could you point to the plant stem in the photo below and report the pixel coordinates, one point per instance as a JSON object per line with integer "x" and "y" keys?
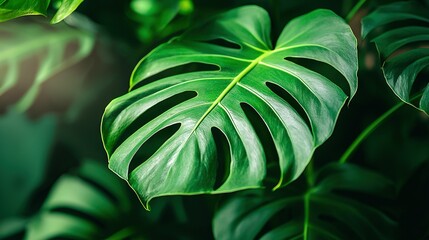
{"x": 354, "y": 10}
{"x": 368, "y": 130}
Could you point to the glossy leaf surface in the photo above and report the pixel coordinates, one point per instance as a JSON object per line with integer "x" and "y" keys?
{"x": 344, "y": 203}
{"x": 49, "y": 50}
{"x": 404, "y": 49}
{"x": 191, "y": 105}
{"x": 10, "y": 9}
{"x": 65, "y": 9}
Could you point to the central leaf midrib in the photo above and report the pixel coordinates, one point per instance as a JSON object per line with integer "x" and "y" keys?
{"x": 230, "y": 86}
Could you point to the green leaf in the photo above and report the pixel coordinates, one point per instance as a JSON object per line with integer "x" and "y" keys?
{"x": 199, "y": 102}
{"x": 65, "y": 9}
{"x": 79, "y": 204}
{"x": 10, "y": 9}
{"x": 404, "y": 49}
{"x": 23, "y": 44}
{"x": 159, "y": 18}
{"x": 346, "y": 203}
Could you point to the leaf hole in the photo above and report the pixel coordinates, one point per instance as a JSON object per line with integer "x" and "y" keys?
{"x": 405, "y": 48}
{"x": 224, "y": 43}
{"x": 383, "y": 204}
{"x": 181, "y": 69}
{"x": 62, "y": 237}
{"x": 80, "y": 215}
{"x": 152, "y": 113}
{"x": 395, "y": 25}
{"x": 152, "y": 145}
{"x": 280, "y": 218}
{"x": 291, "y": 100}
{"x": 264, "y": 135}
{"x": 323, "y": 69}
{"x": 23, "y": 81}
{"x": 223, "y": 155}
{"x": 337, "y": 226}
{"x": 421, "y": 82}
{"x": 100, "y": 188}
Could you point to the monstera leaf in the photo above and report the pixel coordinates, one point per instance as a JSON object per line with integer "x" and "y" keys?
{"x": 21, "y": 47}
{"x": 184, "y": 111}
{"x": 10, "y": 9}
{"x": 330, "y": 209}
{"x": 86, "y": 205}
{"x": 402, "y": 66}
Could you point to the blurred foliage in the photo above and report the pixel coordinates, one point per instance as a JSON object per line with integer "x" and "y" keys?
{"x": 68, "y": 72}
{"x": 54, "y": 50}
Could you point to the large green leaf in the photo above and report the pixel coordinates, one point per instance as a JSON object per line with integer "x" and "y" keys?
{"x": 22, "y": 44}
{"x": 213, "y": 100}
{"x": 345, "y": 203}
{"x": 402, "y": 66}
{"x": 86, "y": 205}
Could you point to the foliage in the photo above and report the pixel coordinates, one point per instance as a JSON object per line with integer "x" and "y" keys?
{"x": 52, "y": 47}
{"x": 187, "y": 163}
{"x": 10, "y": 9}
{"x": 402, "y": 65}
{"x": 69, "y": 212}
{"x": 241, "y": 100}
{"x": 307, "y": 212}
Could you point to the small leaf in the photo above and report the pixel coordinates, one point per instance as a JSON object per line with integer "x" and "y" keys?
{"x": 327, "y": 210}
{"x": 10, "y": 9}
{"x": 404, "y": 50}
{"x": 65, "y": 9}
{"x": 182, "y": 110}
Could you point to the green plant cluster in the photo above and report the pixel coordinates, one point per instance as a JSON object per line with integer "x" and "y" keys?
{"x": 241, "y": 119}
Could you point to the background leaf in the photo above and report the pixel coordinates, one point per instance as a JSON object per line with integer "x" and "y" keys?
{"x": 346, "y": 202}
{"x": 58, "y": 48}
{"x": 252, "y": 80}
{"x": 89, "y": 204}
{"x": 404, "y": 49}
{"x": 25, "y": 147}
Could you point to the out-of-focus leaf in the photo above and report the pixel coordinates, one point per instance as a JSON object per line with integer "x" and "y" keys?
{"x": 24, "y": 150}
{"x": 90, "y": 204}
{"x": 251, "y": 79}
{"x": 10, "y": 9}
{"x": 401, "y": 65}
{"x": 65, "y": 9}
{"x": 20, "y": 42}
{"x": 344, "y": 203}
{"x": 155, "y": 17}
{"x": 11, "y": 227}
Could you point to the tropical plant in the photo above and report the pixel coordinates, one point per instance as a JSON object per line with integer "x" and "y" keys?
{"x": 254, "y": 110}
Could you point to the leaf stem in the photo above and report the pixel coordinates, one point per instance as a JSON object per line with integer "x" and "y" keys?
{"x": 354, "y": 10}
{"x": 306, "y": 214}
{"x": 368, "y": 130}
